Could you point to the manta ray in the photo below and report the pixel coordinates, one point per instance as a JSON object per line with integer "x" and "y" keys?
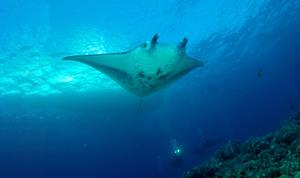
{"x": 145, "y": 69}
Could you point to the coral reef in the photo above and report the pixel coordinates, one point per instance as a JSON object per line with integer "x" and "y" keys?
{"x": 274, "y": 155}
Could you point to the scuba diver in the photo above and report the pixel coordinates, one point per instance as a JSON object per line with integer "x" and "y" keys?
{"x": 176, "y": 155}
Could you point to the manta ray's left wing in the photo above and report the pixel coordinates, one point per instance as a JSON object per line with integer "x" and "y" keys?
{"x": 114, "y": 65}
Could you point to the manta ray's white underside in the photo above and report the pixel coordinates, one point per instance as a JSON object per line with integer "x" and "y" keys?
{"x": 145, "y": 69}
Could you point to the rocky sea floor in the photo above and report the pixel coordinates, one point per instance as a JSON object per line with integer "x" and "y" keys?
{"x": 274, "y": 155}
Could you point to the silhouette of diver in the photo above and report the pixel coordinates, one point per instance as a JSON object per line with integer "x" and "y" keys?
{"x": 176, "y": 159}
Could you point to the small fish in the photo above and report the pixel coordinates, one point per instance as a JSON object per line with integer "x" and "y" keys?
{"x": 260, "y": 72}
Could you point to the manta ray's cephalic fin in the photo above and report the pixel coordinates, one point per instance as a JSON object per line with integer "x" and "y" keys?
{"x": 154, "y": 40}
{"x": 183, "y": 43}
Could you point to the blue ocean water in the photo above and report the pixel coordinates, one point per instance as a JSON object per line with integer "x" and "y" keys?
{"x": 63, "y": 119}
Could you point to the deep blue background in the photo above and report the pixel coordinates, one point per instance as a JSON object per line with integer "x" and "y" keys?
{"x": 99, "y": 133}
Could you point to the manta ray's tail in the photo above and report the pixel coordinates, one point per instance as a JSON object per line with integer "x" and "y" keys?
{"x": 139, "y": 106}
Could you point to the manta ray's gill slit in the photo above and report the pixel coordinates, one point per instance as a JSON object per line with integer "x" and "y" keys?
{"x": 165, "y": 76}
{"x": 141, "y": 74}
{"x": 158, "y": 72}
